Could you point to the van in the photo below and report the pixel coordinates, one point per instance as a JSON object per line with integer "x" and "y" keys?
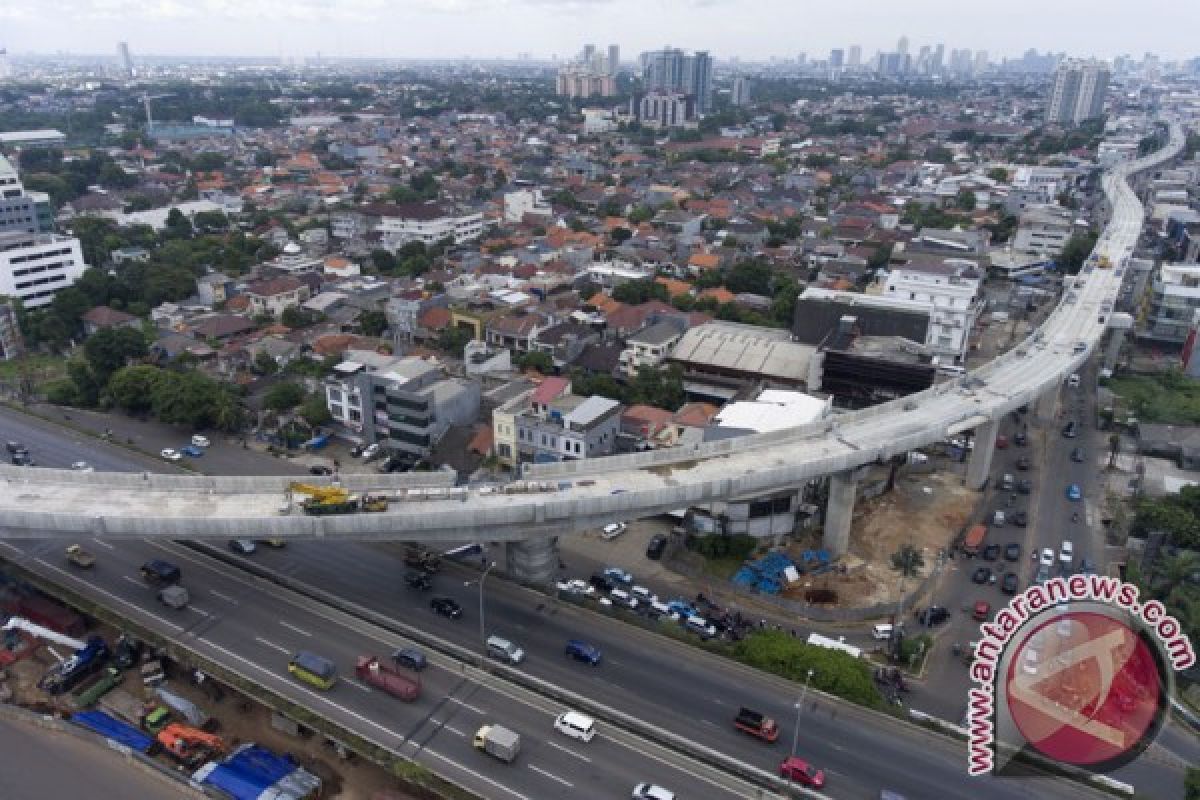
{"x": 313, "y": 669}
{"x": 882, "y": 632}
{"x": 576, "y": 725}
{"x": 613, "y": 530}
{"x": 998, "y": 519}
{"x": 504, "y": 650}
{"x": 623, "y": 598}
{"x": 1006, "y": 483}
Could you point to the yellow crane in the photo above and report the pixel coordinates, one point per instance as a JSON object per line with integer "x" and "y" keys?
{"x": 325, "y": 499}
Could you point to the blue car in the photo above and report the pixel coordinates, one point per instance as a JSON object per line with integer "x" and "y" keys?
{"x": 191, "y": 450}
{"x": 1074, "y": 492}
{"x": 582, "y": 651}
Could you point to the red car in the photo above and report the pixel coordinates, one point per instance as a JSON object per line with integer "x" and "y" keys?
{"x": 803, "y": 773}
{"x": 982, "y": 610}
{"x": 1001, "y": 442}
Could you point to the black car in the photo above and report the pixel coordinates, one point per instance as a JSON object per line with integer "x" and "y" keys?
{"x": 1070, "y": 430}
{"x": 1020, "y": 519}
{"x": 991, "y": 552}
{"x": 1012, "y": 552}
{"x": 658, "y": 543}
{"x": 1077, "y": 455}
{"x": 127, "y": 651}
{"x": 446, "y": 607}
{"x": 1024, "y": 463}
{"x": 317, "y": 469}
{"x": 602, "y": 583}
{"x": 418, "y": 580}
{"x": 934, "y": 615}
{"x": 1024, "y": 486}
{"x": 1009, "y": 584}
{"x": 1020, "y": 439}
{"x": 981, "y": 575}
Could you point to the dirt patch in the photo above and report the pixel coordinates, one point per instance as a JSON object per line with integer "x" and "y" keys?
{"x": 926, "y": 511}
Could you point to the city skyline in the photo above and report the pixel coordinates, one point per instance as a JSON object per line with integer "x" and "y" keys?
{"x": 458, "y": 28}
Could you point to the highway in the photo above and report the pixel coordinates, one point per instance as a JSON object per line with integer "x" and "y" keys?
{"x": 661, "y": 682}
{"x": 583, "y": 495}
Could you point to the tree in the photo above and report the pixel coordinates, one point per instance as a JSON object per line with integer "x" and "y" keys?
{"x": 1076, "y": 251}
{"x": 284, "y": 396}
{"x": 108, "y": 350}
{"x": 749, "y": 276}
{"x": 908, "y": 561}
{"x": 372, "y": 323}
{"x": 620, "y": 235}
{"x": 211, "y": 221}
{"x": 296, "y": 317}
{"x": 383, "y": 260}
{"x": 965, "y": 200}
{"x": 87, "y": 390}
{"x": 536, "y": 360}
{"x": 661, "y": 387}
{"x": 833, "y": 671}
{"x": 314, "y": 410}
{"x": 132, "y": 388}
{"x": 264, "y": 364}
{"x": 998, "y": 174}
{"x": 178, "y": 225}
{"x": 638, "y": 292}
{"x": 453, "y": 339}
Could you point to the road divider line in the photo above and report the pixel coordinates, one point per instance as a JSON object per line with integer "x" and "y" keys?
{"x": 109, "y": 594}
{"x": 552, "y": 776}
{"x": 261, "y": 640}
{"x": 358, "y": 685}
{"x": 569, "y": 752}
{"x": 465, "y": 704}
{"x": 199, "y": 611}
{"x": 103, "y": 543}
{"x": 223, "y": 596}
{"x": 475, "y": 774}
{"x": 13, "y": 547}
{"x": 300, "y": 631}
{"x": 134, "y": 581}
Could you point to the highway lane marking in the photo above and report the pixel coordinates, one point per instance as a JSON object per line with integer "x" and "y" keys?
{"x": 300, "y": 631}
{"x": 465, "y": 704}
{"x": 13, "y": 547}
{"x": 358, "y": 685}
{"x": 568, "y": 751}
{"x": 308, "y": 692}
{"x": 473, "y": 773}
{"x": 134, "y": 581}
{"x": 552, "y": 776}
{"x": 103, "y": 543}
{"x": 224, "y": 597}
{"x": 444, "y": 727}
{"x": 261, "y": 640}
{"x": 199, "y": 611}
{"x": 109, "y": 594}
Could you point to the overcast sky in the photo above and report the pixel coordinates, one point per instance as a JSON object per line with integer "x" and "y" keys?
{"x": 750, "y": 29}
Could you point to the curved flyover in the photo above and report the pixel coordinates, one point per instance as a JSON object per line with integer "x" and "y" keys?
{"x": 581, "y": 495}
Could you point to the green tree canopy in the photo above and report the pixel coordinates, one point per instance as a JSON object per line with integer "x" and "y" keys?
{"x": 109, "y": 349}
{"x": 132, "y": 388}
{"x": 284, "y": 396}
{"x": 638, "y": 292}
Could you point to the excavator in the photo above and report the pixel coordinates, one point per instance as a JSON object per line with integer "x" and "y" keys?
{"x": 336, "y": 500}
{"x": 189, "y": 745}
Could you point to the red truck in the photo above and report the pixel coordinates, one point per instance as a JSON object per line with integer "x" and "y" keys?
{"x": 393, "y": 680}
{"x": 974, "y": 540}
{"x": 756, "y": 724}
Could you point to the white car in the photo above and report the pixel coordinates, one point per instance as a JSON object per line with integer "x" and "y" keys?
{"x": 200, "y": 441}
{"x": 651, "y": 791}
{"x": 613, "y": 530}
{"x": 576, "y": 725}
{"x": 1047, "y": 557}
{"x": 1066, "y": 553}
{"x": 1073, "y": 381}
{"x": 82, "y": 466}
{"x": 576, "y": 586}
{"x": 170, "y": 454}
{"x": 370, "y": 452}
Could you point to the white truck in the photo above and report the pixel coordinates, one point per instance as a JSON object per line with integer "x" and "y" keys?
{"x": 499, "y": 742}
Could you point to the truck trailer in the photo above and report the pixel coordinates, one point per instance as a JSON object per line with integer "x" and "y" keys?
{"x": 499, "y": 742}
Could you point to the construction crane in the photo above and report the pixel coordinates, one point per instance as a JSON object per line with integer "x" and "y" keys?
{"x": 325, "y": 499}
{"x": 146, "y": 98}
{"x": 189, "y": 744}
{"x": 19, "y": 623}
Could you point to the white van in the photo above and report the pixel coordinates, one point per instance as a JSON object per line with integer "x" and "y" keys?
{"x": 613, "y": 530}
{"x": 623, "y": 598}
{"x": 504, "y": 650}
{"x": 998, "y": 519}
{"x": 576, "y": 725}
{"x": 882, "y": 632}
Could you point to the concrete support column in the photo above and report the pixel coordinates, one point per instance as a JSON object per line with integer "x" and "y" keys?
{"x": 1045, "y": 408}
{"x": 533, "y": 561}
{"x": 980, "y": 463}
{"x": 839, "y": 511}
{"x": 1115, "y": 340}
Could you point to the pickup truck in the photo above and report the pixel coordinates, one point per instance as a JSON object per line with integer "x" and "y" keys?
{"x": 499, "y": 742}
{"x": 755, "y": 724}
{"x": 79, "y": 557}
{"x": 381, "y": 675}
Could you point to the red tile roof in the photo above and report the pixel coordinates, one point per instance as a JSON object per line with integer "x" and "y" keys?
{"x": 550, "y": 389}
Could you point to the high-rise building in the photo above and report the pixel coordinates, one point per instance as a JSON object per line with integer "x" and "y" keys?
{"x": 837, "y": 58}
{"x": 126, "y": 59}
{"x": 981, "y": 61}
{"x": 939, "y": 57}
{"x": 664, "y": 109}
{"x": 5, "y": 69}
{"x": 902, "y": 46}
{"x": 1078, "y": 92}
{"x": 591, "y": 74}
{"x": 589, "y": 54}
{"x": 854, "y": 55}
{"x": 741, "y": 91}
{"x": 614, "y": 59}
{"x": 672, "y": 71}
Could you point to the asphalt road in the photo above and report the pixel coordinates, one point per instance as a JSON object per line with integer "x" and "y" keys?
{"x": 679, "y": 689}
{"x": 53, "y": 764}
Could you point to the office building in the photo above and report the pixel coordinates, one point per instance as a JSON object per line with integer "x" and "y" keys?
{"x": 35, "y": 266}
{"x": 854, "y": 56}
{"x": 614, "y": 59}
{"x": 661, "y": 109}
{"x": 18, "y": 209}
{"x": 1078, "y": 92}
{"x": 981, "y": 61}
{"x": 741, "y": 91}
{"x": 671, "y": 71}
{"x": 126, "y": 59}
{"x": 591, "y": 74}
{"x": 902, "y": 46}
{"x": 837, "y": 58}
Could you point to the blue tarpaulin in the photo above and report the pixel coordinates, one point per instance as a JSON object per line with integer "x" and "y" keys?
{"x": 114, "y": 729}
{"x": 255, "y": 773}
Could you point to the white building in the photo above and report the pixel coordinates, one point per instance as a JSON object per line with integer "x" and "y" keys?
{"x": 650, "y": 346}
{"x": 525, "y": 201}
{"x": 1044, "y": 230}
{"x": 35, "y": 266}
{"x": 666, "y": 110}
{"x": 1174, "y": 299}
{"x": 950, "y": 289}
{"x": 1078, "y": 92}
{"x": 598, "y": 120}
{"x": 428, "y": 223}
{"x": 1045, "y": 182}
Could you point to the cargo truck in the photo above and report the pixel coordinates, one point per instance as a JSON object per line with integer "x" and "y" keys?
{"x": 105, "y": 683}
{"x": 79, "y": 557}
{"x": 974, "y": 540}
{"x": 67, "y": 675}
{"x": 755, "y": 724}
{"x": 312, "y": 668}
{"x": 499, "y": 742}
{"x": 391, "y": 679}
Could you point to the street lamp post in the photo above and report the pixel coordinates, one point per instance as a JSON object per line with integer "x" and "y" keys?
{"x": 482, "y": 626}
{"x": 796, "y": 731}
